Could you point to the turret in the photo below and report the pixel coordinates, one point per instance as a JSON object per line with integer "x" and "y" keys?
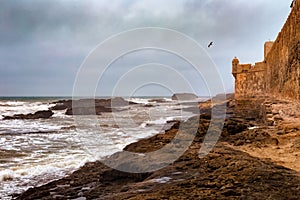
{"x": 267, "y": 48}
{"x": 235, "y": 63}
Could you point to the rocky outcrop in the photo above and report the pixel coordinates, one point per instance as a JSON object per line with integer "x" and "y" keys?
{"x": 87, "y": 110}
{"x": 224, "y": 173}
{"x": 91, "y": 106}
{"x": 45, "y": 114}
{"x": 60, "y": 106}
{"x": 184, "y": 96}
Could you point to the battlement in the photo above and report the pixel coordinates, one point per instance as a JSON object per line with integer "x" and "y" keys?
{"x": 278, "y": 74}
{"x": 238, "y": 68}
{"x": 248, "y": 68}
{"x": 249, "y": 79}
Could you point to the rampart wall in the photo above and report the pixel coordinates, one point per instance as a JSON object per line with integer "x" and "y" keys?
{"x": 283, "y": 59}
{"x": 278, "y": 75}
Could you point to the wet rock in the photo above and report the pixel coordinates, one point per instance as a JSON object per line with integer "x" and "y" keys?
{"x": 277, "y": 118}
{"x": 160, "y": 100}
{"x": 44, "y": 114}
{"x": 80, "y": 198}
{"x": 270, "y": 122}
{"x": 59, "y": 106}
{"x": 256, "y": 136}
{"x": 205, "y": 116}
{"x": 184, "y": 96}
{"x": 149, "y": 105}
{"x": 87, "y": 110}
{"x": 223, "y": 173}
{"x": 233, "y": 126}
{"x": 91, "y": 106}
{"x": 193, "y": 109}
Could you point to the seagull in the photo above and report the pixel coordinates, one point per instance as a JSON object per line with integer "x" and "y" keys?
{"x": 210, "y": 44}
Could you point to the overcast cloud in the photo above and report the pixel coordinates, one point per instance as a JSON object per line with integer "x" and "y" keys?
{"x": 43, "y": 43}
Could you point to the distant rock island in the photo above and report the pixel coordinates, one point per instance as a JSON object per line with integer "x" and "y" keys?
{"x": 184, "y": 96}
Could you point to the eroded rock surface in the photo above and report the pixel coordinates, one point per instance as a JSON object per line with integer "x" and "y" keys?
{"x": 227, "y": 172}
{"x": 44, "y": 114}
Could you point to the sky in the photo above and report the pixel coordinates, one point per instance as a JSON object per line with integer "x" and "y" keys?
{"x": 44, "y": 43}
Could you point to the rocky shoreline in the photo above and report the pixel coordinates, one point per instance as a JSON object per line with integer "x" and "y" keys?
{"x": 236, "y": 168}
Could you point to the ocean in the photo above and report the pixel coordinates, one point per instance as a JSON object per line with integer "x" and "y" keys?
{"x": 36, "y": 151}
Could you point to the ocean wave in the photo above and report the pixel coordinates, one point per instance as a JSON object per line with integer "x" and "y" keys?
{"x": 139, "y": 100}
{"x": 6, "y": 175}
{"x": 28, "y": 126}
{"x": 12, "y": 103}
{"x": 160, "y": 121}
{"x": 25, "y": 176}
{"x": 58, "y": 144}
{"x": 16, "y": 107}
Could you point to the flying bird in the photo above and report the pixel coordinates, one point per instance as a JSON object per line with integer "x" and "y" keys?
{"x": 210, "y": 44}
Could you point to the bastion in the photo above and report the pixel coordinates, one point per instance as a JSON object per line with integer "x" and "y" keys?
{"x": 277, "y": 76}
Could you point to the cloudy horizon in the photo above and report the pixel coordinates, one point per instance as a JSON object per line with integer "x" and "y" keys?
{"x": 44, "y": 43}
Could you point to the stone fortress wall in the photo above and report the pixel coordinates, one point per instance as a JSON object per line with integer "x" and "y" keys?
{"x": 277, "y": 75}
{"x": 283, "y": 59}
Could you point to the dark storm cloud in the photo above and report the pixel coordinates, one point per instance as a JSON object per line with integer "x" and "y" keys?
{"x": 27, "y": 21}
{"x": 43, "y": 43}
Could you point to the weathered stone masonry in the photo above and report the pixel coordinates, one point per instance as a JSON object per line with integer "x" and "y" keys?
{"x": 278, "y": 75}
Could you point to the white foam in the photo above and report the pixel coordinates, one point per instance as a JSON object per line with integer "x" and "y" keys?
{"x": 12, "y": 103}
{"x": 168, "y": 99}
{"x": 161, "y": 180}
{"x": 60, "y": 114}
{"x": 17, "y": 107}
{"x": 25, "y": 126}
{"x": 51, "y": 155}
{"x": 157, "y": 121}
{"x": 6, "y": 175}
{"x": 139, "y": 100}
{"x": 28, "y": 171}
{"x": 2, "y": 140}
{"x": 254, "y": 127}
{"x": 161, "y": 122}
{"x": 177, "y": 173}
{"x": 143, "y": 125}
{"x": 22, "y": 177}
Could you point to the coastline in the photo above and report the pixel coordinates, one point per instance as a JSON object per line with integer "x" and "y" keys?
{"x": 235, "y": 168}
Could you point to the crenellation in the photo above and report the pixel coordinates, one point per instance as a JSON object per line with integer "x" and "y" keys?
{"x": 248, "y": 79}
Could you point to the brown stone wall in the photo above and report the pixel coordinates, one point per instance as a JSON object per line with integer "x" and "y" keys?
{"x": 267, "y": 48}
{"x": 278, "y": 75}
{"x": 248, "y": 108}
{"x": 283, "y": 59}
{"x": 250, "y": 81}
